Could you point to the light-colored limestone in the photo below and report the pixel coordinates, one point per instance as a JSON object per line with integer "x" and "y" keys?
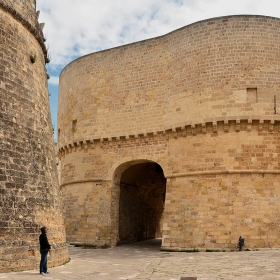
{"x": 29, "y": 188}
{"x": 199, "y": 102}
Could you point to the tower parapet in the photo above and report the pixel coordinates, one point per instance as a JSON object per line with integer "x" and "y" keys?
{"x": 24, "y": 12}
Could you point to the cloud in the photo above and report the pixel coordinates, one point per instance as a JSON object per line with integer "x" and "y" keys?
{"x": 75, "y": 28}
{"x": 78, "y": 27}
{"x": 54, "y": 80}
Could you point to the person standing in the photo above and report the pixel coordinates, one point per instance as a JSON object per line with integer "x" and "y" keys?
{"x": 241, "y": 243}
{"x": 44, "y": 250}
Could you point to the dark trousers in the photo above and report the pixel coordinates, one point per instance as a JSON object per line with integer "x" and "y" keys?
{"x": 44, "y": 260}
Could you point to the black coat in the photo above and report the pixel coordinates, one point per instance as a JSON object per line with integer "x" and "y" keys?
{"x": 44, "y": 243}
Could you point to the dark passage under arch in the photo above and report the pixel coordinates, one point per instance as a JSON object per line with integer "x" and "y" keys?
{"x": 141, "y": 204}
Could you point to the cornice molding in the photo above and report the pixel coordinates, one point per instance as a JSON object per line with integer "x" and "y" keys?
{"x": 269, "y": 123}
{"x": 93, "y": 180}
{"x": 178, "y": 175}
{"x": 36, "y": 32}
{"x": 221, "y": 172}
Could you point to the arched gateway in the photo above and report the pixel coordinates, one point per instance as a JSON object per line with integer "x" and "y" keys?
{"x": 176, "y": 136}
{"x": 141, "y": 201}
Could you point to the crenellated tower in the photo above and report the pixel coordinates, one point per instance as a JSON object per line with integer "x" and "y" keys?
{"x": 29, "y": 192}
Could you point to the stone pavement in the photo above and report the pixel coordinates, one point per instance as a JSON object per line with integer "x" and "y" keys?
{"x": 143, "y": 260}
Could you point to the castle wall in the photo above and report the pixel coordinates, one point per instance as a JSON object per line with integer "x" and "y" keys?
{"x": 223, "y": 67}
{"x": 30, "y": 196}
{"x": 89, "y": 193}
{"x": 25, "y": 9}
{"x": 223, "y": 186}
{"x": 198, "y": 101}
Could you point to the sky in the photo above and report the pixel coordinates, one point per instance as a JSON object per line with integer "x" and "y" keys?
{"x": 74, "y": 28}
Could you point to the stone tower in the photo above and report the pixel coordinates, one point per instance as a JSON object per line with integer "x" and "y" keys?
{"x": 29, "y": 197}
{"x": 175, "y": 136}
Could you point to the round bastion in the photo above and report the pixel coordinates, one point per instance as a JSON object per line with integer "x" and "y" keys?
{"x": 175, "y": 137}
{"x": 29, "y": 190}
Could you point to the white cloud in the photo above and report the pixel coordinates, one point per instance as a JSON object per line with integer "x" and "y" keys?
{"x": 75, "y": 28}
{"x": 54, "y": 80}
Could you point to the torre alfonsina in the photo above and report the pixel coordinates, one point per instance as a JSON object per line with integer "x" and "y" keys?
{"x": 29, "y": 190}
{"x": 175, "y": 137}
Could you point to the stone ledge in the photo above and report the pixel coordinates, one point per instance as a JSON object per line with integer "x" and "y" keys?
{"x": 195, "y": 173}
{"x": 221, "y": 172}
{"x": 100, "y": 180}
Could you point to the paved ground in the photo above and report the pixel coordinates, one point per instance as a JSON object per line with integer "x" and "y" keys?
{"x": 143, "y": 260}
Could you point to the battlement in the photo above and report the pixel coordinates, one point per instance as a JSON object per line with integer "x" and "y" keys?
{"x": 216, "y": 125}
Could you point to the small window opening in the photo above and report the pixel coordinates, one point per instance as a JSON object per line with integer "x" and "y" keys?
{"x": 252, "y": 95}
{"x": 74, "y": 125}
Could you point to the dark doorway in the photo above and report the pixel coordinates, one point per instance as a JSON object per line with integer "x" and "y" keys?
{"x": 142, "y": 197}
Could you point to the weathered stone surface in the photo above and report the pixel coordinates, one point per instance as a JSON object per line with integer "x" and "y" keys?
{"x": 29, "y": 194}
{"x": 199, "y": 102}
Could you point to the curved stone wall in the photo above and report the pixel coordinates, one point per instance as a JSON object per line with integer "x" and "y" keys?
{"x": 22, "y": 9}
{"x": 198, "y": 101}
{"x": 30, "y": 196}
{"x": 219, "y": 68}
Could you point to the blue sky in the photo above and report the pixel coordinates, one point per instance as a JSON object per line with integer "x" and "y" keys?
{"x": 74, "y": 28}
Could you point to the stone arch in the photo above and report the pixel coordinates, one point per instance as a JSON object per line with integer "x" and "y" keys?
{"x": 141, "y": 185}
{"x": 126, "y": 162}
